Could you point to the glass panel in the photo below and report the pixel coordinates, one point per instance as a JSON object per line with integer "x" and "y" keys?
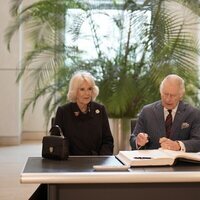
{"x": 106, "y": 31}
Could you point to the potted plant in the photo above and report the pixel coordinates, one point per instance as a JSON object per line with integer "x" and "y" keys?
{"x": 151, "y": 42}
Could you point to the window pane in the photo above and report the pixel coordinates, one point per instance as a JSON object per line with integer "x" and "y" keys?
{"x": 106, "y": 31}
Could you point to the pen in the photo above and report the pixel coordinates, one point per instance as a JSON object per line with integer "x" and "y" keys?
{"x": 144, "y": 157}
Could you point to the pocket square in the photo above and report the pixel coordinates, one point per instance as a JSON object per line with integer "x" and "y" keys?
{"x": 184, "y": 125}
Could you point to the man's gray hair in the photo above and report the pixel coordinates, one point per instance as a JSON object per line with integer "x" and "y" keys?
{"x": 175, "y": 78}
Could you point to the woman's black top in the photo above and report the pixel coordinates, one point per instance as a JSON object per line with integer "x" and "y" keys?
{"x": 88, "y": 133}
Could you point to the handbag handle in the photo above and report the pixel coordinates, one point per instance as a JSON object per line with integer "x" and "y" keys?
{"x": 60, "y": 130}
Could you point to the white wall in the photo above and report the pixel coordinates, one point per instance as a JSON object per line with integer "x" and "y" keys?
{"x": 12, "y": 95}
{"x": 33, "y": 125}
{"x": 10, "y": 92}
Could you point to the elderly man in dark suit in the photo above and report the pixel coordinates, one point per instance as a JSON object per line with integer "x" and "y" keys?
{"x": 169, "y": 123}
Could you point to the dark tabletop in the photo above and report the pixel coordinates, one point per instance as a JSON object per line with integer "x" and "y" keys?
{"x": 85, "y": 164}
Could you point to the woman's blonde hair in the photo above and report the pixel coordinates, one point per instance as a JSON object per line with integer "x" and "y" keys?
{"x": 77, "y": 79}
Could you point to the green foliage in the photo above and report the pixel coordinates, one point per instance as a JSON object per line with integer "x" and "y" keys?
{"x": 147, "y": 50}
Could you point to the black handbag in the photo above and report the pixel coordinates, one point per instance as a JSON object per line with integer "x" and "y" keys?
{"x": 55, "y": 146}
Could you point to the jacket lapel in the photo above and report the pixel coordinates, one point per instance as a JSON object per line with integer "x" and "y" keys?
{"x": 178, "y": 118}
{"x": 159, "y": 113}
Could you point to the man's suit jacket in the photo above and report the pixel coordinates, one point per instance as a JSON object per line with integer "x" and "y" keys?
{"x": 185, "y": 127}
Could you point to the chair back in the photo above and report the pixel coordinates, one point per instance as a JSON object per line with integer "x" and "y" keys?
{"x": 133, "y": 123}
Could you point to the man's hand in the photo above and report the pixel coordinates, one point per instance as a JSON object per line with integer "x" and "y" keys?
{"x": 166, "y": 143}
{"x": 142, "y": 139}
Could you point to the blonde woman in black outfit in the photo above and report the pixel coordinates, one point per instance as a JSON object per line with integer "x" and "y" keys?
{"x": 83, "y": 121}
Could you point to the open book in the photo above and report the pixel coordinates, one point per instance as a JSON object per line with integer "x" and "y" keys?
{"x": 158, "y": 157}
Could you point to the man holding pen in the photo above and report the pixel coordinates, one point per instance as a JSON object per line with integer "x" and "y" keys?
{"x": 169, "y": 123}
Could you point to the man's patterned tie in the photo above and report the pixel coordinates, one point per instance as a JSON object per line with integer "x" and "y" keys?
{"x": 168, "y": 123}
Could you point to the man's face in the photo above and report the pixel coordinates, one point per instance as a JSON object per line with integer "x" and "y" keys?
{"x": 170, "y": 95}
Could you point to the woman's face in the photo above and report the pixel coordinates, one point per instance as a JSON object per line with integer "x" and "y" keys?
{"x": 84, "y": 94}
